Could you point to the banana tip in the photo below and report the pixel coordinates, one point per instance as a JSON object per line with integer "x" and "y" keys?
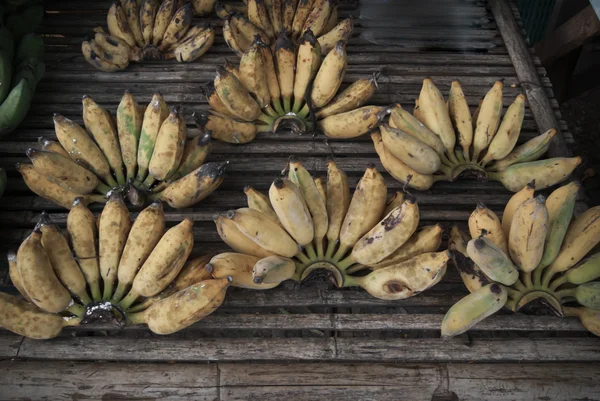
{"x": 30, "y": 152}
{"x": 278, "y": 183}
{"x": 481, "y": 205}
{"x": 258, "y": 280}
{"x": 209, "y": 268}
{"x": 230, "y": 214}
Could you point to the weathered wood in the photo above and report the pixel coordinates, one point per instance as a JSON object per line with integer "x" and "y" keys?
{"x": 9, "y": 345}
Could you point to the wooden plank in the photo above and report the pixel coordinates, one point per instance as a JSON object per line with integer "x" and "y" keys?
{"x": 58, "y": 380}
{"x": 9, "y": 345}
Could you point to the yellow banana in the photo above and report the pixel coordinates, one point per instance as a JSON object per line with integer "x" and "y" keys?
{"x": 404, "y": 121}
{"x": 235, "y": 97}
{"x": 264, "y": 231}
{"x": 411, "y": 151}
{"x": 434, "y": 115}
{"x": 581, "y": 223}
{"x": 154, "y": 116}
{"x": 233, "y": 38}
{"x": 529, "y": 151}
{"x": 322, "y": 189}
{"x": 120, "y": 51}
{"x": 285, "y": 58}
{"x": 98, "y": 60}
{"x": 338, "y": 201}
{"x": 224, "y": 10}
{"x": 259, "y": 16}
{"x": 350, "y": 98}
{"x": 52, "y": 146}
{"x": 81, "y": 227}
{"x": 288, "y": 10}
{"x": 273, "y": 270}
{"x": 195, "y": 186}
{"x": 146, "y": 231}
{"x": 100, "y": 124}
{"x": 307, "y": 65}
{"x": 193, "y": 47}
{"x": 111, "y": 57}
{"x": 162, "y": 20}
{"x": 118, "y": 25}
{"x": 203, "y": 7}
{"x": 513, "y": 204}
{"x": 492, "y": 261}
{"x": 275, "y": 8}
{"x": 364, "y": 211}
{"x": 398, "y": 169}
{"x": 484, "y": 223}
{"x": 236, "y": 240}
{"x": 353, "y": 123}
{"x": 239, "y": 267}
{"x": 66, "y": 268}
{"x": 214, "y": 101}
{"x": 178, "y": 26}
{"x": 226, "y": 129}
{"x": 340, "y": 32}
{"x": 472, "y": 276}
{"x": 318, "y": 17}
{"x": 330, "y": 76}
{"x": 461, "y": 117}
{"x": 272, "y": 79}
{"x": 290, "y": 206}
{"x": 589, "y": 318}
{"x": 129, "y": 126}
{"x": 394, "y": 201}
{"x": 15, "y": 276}
{"x": 132, "y": 12}
{"x": 195, "y": 152}
{"x": 332, "y": 20}
{"x": 38, "y": 278}
{"x": 259, "y": 201}
{"x": 487, "y": 120}
{"x": 82, "y": 148}
{"x": 528, "y": 231}
{"x": 148, "y": 11}
{"x": 302, "y": 12}
{"x": 168, "y": 148}
{"x": 546, "y": 173}
{"x": 508, "y": 133}
{"x": 245, "y": 32}
{"x": 253, "y": 77}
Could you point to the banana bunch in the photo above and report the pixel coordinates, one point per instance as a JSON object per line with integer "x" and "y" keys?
{"x": 292, "y": 87}
{"x": 21, "y": 65}
{"x": 536, "y": 252}
{"x": 149, "y": 30}
{"x": 106, "y": 268}
{"x": 307, "y": 226}
{"x": 146, "y": 151}
{"x": 441, "y": 140}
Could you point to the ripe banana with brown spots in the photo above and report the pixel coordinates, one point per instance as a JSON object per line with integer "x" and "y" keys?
{"x": 226, "y": 129}
{"x": 353, "y": 123}
{"x": 461, "y": 118}
{"x": 340, "y": 32}
{"x": 285, "y": 58}
{"x": 350, "y": 98}
{"x": 483, "y": 222}
{"x": 508, "y": 132}
{"x": 235, "y": 96}
{"x": 236, "y": 240}
{"x": 411, "y": 151}
{"x": 118, "y": 25}
{"x": 318, "y": 17}
{"x": 258, "y": 201}
{"x": 129, "y": 126}
{"x": 164, "y": 14}
{"x": 291, "y": 209}
{"x": 307, "y": 65}
{"x": 239, "y": 267}
{"x": 513, "y": 204}
{"x": 488, "y": 120}
{"x": 168, "y": 148}
{"x": 154, "y": 116}
{"x": 330, "y": 76}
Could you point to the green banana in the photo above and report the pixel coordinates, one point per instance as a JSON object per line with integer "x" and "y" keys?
{"x": 15, "y": 107}
{"x": 30, "y": 46}
{"x": 492, "y": 261}
{"x": 587, "y": 270}
{"x": 588, "y": 294}
{"x": 6, "y": 69}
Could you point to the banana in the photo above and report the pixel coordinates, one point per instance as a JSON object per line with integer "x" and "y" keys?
{"x": 292, "y": 210}
{"x": 353, "y": 123}
{"x": 129, "y": 126}
{"x": 148, "y": 11}
{"x": 168, "y": 148}
{"x": 15, "y": 277}
{"x": 16, "y": 106}
{"x": 411, "y": 151}
{"x": 234, "y": 39}
{"x": 487, "y": 120}
{"x": 235, "y": 97}
{"x": 318, "y": 17}
{"x": 528, "y": 231}
{"x": 65, "y": 267}
{"x": 178, "y": 26}
{"x": 581, "y": 223}
{"x": 163, "y": 264}
{"x": 434, "y": 114}
{"x": 586, "y": 271}
{"x": 192, "y": 32}
{"x": 259, "y": 16}
{"x": 214, "y": 101}
{"x": 52, "y": 146}
{"x": 409, "y": 124}
{"x": 195, "y": 152}
{"x": 236, "y": 240}
{"x": 272, "y": 79}
{"x": 508, "y": 133}
{"x": 97, "y": 60}
{"x": 163, "y": 18}
{"x": 471, "y": 275}
{"x": 529, "y": 151}
{"x": 253, "y": 77}
{"x": 484, "y": 223}
{"x": 330, "y": 76}
{"x": 546, "y": 173}
{"x": 288, "y": 11}
{"x": 460, "y": 115}
{"x": 273, "y": 270}
{"x": 81, "y": 227}
{"x": 146, "y": 231}
{"x": 38, "y": 277}
{"x": 245, "y": 32}
{"x": 259, "y": 201}
{"x": 394, "y": 201}
{"x": 560, "y": 204}
{"x": 132, "y": 12}
{"x": 190, "y": 49}
{"x": 473, "y": 308}
{"x": 183, "y": 308}
{"x": 264, "y": 231}
{"x": 587, "y": 294}
{"x": 195, "y": 186}
{"x": 64, "y": 171}
{"x": 388, "y": 235}
{"x": 224, "y": 10}
{"x": 113, "y": 230}
{"x": 232, "y": 69}
{"x": 118, "y": 25}
{"x": 322, "y": 189}
{"x": 398, "y": 169}
{"x": 100, "y": 124}
{"x": 338, "y": 201}
{"x": 340, "y": 32}
{"x": 405, "y": 279}
{"x": 513, "y": 204}
{"x": 226, "y": 129}
{"x": 307, "y": 65}
{"x": 492, "y": 261}
{"x": 285, "y": 58}
{"x": 364, "y": 211}
{"x": 350, "y": 98}
{"x": 239, "y": 267}
{"x": 119, "y": 50}
{"x": 590, "y": 318}
{"x": 428, "y": 239}
{"x": 28, "y": 320}
{"x": 156, "y": 113}
{"x": 203, "y": 7}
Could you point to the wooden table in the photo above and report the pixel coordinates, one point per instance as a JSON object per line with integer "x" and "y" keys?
{"x": 305, "y": 342}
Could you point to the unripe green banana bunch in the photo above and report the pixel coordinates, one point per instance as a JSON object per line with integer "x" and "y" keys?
{"x": 305, "y": 225}
{"x": 132, "y": 273}
{"x": 291, "y": 87}
{"x": 145, "y": 151}
{"x": 149, "y": 30}
{"x": 536, "y": 251}
{"x": 441, "y": 139}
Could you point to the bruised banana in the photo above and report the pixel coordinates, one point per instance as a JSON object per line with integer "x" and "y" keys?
{"x": 341, "y": 32}
{"x": 129, "y": 126}
{"x": 120, "y": 52}
{"x": 393, "y": 202}
{"x": 235, "y": 97}
{"x": 132, "y": 12}
{"x": 484, "y": 223}
{"x": 513, "y": 204}
{"x": 528, "y": 231}
{"x": 353, "y": 123}
{"x": 488, "y": 120}
{"x": 214, "y": 101}
{"x": 236, "y": 240}
{"x": 546, "y": 173}
{"x": 97, "y": 60}
{"x": 273, "y": 270}
{"x": 508, "y": 132}
{"x": 350, "y": 98}
{"x": 492, "y": 261}
{"x": 288, "y": 10}
{"x": 195, "y": 152}
{"x": 472, "y": 276}
{"x": 148, "y": 10}
{"x": 118, "y": 25}
{"x": 461, "y": 118}
{"x": 177, "y": 28}
{"x": 259, "y": 16}
{"x": 195, "y": 186}
{"x": 285, "y": 58}
{"x": 239, "y": 267}
{"x": 292, "y": 211}
{"x": 193, "y": 47}
{"x": 164, "y": 14}
{"x": 411, "y": 151}
{"x": 529, "y": 151}
{"x": 253, "y": 77}
{"x": 226, "y": 129}
{"x": 307, "y": 66}
{"x": 318, "y": 17}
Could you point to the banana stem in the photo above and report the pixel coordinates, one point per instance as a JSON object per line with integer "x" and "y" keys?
{"x": 519, "y": 286}
{"x": 356, "y": 268}
{"x": 84, "y": 298}
{"x": 136, "y": 318}
{"x": 162, "y": 186}
{"x": 513, "y": 294}
{"x": 494, "y": 176}
{"x": 548, "y": 274}
{"x": 269, "y": 110}
{"x": 102, "y": 188}
{"x": 330, "y": 249}
{"x": 445, "y": 160}
{"x": 459, "y": 156}
{"x": 537, "y": 276}
{"x": 302, "y": 257}
{"x": 304, "y": 112}
{"x": 96, "y": 198}
{"x": 310, "y": 251}
{"x": 350, "y": 281}
{"x": 526, "y": 277}
{"x": 298, "y": 103}
{"x": 298, "y": 272}
{"x": 95, "y": 289}
{"x": 110, "y": 181}
{"x": 72, "y": 321}
{"x": 511, "y": 304}
{"x": 108, "y": 290}
{"x": 277, "y": 106}
{"x": 567, "y": 292}
{"x": 319, "y": 245}
{"x": 148, "y": 181}
{"x": 266, "y": 119}
{"x": 129, "y": 299}
{"x": 340, "y": 253}
{"x": 558, "y": 282}
{"x": 446, "y": 170}
{"x": 148, "y": 302}
{"x": 120, "y": 177}
{"x": 452, "y": 157}
{"x": 263, "y": 128}
{"x": 344, "y": 264}
{"x": 119, "y": 293}
{"x": 287, "y": 106}
{"x": 572, "y": 312}
{"x": 76, "y": 309}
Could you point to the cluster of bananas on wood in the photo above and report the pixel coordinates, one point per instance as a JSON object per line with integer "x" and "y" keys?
{"x": 147, "y": 152}
{"x": 308, "y": 226}
{"x": 290, "y": 87}
{"x": 149, "y": 30}
{"x": 69, "y": 280}
{"x": 533, "y": 254}
{"x": 441, "y": 140}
